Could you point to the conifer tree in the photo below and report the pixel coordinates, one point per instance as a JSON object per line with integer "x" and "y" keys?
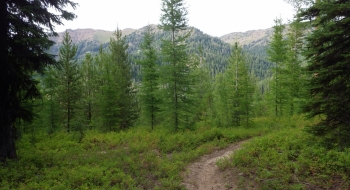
{"x": 149, "y": 90}
{"x": 222, "y": 106}
{"x": 295, "y": 75}
{"x": 327, "y": 51}
{"x": 24, "y": 40}
{"x": 69, "y": 83}
{"x": 51, "y": 112}
{"x": 203, "y": 88}
{"x": 237, "y": 90}
{"x": 127, "y": 103}
{"x": 88, "y": 69}
{"x": 108, "y": 93}
{"x": 244, "y": 87}
{"x": 277, "y": 52}
{"x": 176, "y": 69}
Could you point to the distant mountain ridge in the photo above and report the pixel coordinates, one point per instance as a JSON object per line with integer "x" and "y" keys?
{"x": 216, "y": 50}
{"x": 258, "y": 37}
{"x": 79, "y": 35}
{"x": 249, "y": 39}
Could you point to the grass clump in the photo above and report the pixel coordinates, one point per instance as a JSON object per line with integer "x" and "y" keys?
{"x": 291, "y": 159}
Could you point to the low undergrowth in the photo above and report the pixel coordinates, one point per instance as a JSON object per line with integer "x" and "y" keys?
{"x": 134, "y": 159}
{"x": 290, "y": 159}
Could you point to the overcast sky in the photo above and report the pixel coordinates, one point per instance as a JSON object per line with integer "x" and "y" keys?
{"x": 214, "y": 17}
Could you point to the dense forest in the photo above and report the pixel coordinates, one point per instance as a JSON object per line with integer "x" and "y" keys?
{"x": 133, "y": 111}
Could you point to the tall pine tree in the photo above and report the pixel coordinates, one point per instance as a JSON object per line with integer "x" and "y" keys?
{"x": 149, "y": 90}
{"x": 69, "y": 83}
{"x": 277, "y": 53}
{"x": 88, "y": 69}
{"x": 127, "y": 102}
{"x": 24, "y": 41}
{"x": 328, "y": 50}
{"x": 235, "y": 91}
{"x": 108, "y": 93}
{"x": 176, "y": 70}
{"x": 51, "y": 113}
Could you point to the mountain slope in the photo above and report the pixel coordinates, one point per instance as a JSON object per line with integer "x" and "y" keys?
{"x": 216, "y": 51}
{"x": 254, "y": 41}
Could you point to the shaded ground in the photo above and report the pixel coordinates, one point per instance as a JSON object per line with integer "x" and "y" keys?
{"x": 204, "y": 174}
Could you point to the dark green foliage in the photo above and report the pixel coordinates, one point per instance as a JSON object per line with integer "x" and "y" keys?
{"x": 108, "y": 93}
{"x": 177, "y": 102}
{"x": 126, "y": 102}
{"x": 277, "y": 53}
{"x": 203, "y": 88}
{"x": 117, "y": 104}
{"x": 328, "y": 55}
{"x": 23, "y": 45}
{"x": 296, "y": 76}
{"x": 69, "y": 84}
{"x": 50, "y": 113}
{"x": 149, "y": 89}
{"x": 234, "y": 91}
{"x": 89, "y": 72}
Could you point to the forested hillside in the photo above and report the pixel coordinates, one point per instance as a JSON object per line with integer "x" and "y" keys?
{"x": 216, "y": 51}
{"x": 132, "y": 109}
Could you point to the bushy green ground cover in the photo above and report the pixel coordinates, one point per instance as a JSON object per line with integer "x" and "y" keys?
{"x": 290, "y": 159}
{"x": 134, "y": 159}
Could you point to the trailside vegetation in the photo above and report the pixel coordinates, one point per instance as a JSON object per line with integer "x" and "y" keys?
{"x": 105, "y": 122}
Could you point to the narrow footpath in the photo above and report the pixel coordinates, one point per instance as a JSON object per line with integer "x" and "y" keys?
{"x": 204, "y": 174}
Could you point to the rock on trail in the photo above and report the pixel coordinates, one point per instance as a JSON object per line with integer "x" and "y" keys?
{"x": 204, "y": 174}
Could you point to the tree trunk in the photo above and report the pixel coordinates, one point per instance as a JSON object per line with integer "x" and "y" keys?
{"x": 7, "y": 101}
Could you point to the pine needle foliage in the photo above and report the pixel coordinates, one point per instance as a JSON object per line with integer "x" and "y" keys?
{"x": 328, "y": 55}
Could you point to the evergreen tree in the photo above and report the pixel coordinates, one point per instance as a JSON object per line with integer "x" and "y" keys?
{"x": 149, "y": 90}
{"x": 277, "y": 54}
{"x": 88, "y": 69}
{"x": 176, "y": 70}
{"x": 127, "y": 102}
{"x": 222, "y": 106}
{"x": 24, "y": 27}
{"x": 109, "y": 93}
{"x": 236, "y": 90}
{"x": 69, "y": 83}
{"x": 244, "y": 86}
{"x": 328, "y": 50}
{"x": 203, "y": 88}
{"x": 51, "y": 114}
{"x": 295, "y": 75}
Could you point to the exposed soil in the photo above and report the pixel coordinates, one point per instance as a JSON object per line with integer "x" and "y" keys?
{"x": 204, "y": 174}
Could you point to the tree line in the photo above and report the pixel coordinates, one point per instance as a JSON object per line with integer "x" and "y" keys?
{"x": 177, "y": 88}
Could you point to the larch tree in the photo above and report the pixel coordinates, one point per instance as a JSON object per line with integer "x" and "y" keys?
{"x": 51, "y": 113}
{"x": 237, "y": 90}
{"x": 243, "y": 85}
{"x": 108, "y": 93}
{"x": 149, "y": 89}
{"x": 222, "y": 116}
{"x": 327, "y": 51}
{"x": 127, "y": 102}
{"x": 203, "y": 88}
{"x": 25, "y": 27}
{"x": 176, "y": 68}
{"x": 277, "y": 54}
{"x": 296, "y": 77}
{"x": 69, "y": 83}
{"x": 88, "y": 69}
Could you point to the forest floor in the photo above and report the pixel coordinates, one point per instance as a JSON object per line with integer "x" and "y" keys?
{"x": 204, "y": 174}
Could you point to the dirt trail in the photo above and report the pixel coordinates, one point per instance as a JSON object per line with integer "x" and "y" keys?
{"x": 204, "y": 174}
